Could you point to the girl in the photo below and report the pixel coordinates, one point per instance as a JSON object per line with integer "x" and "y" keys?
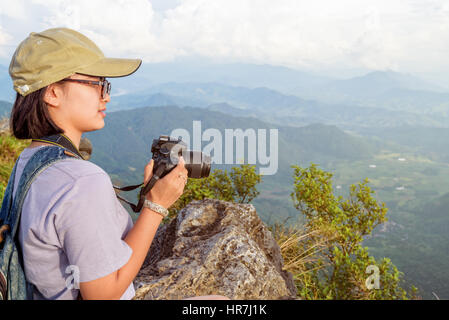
{"x": 72, "y": 225}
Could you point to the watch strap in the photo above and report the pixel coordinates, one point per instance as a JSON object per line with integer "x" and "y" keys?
{"x": 155, "y": 207}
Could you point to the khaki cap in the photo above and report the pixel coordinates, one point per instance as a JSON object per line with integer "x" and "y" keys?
{"x": 54, "y": 54}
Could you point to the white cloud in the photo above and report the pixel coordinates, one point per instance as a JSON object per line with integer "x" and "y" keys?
{"x": 121, "y": 27}
{"x": 321, "y": 34}
{"x": 5, "y": 38}
{"x": 13, "y": 9}
{"x": 403, "y": 35}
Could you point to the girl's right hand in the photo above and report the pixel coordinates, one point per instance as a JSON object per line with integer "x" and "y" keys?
{"x": 167, "y": 190}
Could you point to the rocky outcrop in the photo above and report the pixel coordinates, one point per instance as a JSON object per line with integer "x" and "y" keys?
{"x": 214, "y": 247}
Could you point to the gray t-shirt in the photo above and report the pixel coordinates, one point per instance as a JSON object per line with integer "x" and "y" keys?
{"x": 72, "y": 227}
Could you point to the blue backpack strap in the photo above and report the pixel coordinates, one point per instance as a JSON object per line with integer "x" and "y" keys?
{"x": 7, "y": 197}
{"x": 40, "y": 161}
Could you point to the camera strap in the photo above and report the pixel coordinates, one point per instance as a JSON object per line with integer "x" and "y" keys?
{"x": 145, "y": 189}
{"x": 63, "y": 141}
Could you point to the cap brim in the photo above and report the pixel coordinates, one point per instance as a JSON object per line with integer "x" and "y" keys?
{"x": 111, "y": 67}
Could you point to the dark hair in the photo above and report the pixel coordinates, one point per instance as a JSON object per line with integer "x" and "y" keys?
{"x": 30, "y": 118}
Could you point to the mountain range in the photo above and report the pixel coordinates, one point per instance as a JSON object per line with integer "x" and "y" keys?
{"x": 272, "y": 106}
{"x": 199, "y": 84}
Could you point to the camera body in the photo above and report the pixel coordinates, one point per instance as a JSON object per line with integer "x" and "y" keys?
{"x": 166, "y": 152}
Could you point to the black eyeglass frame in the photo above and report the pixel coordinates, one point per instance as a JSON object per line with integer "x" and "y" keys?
{"x": 105, "y": 85}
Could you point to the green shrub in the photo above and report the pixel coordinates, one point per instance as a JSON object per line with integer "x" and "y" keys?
{"x": 342, "y": 267}
{"x": 10, "y": 149}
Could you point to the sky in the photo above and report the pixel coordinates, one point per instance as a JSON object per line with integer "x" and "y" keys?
{"x": 324, "y": 36}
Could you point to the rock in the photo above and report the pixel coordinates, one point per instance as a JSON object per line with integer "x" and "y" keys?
{"x": 214, "y": 247}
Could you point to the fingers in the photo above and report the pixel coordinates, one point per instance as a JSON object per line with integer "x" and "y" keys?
{"x": 169, "y": 188}
{"x": 181, "y": 166}
{"x": 179, "y": 169}
{"x": 148, "y": 171}
{"x": 179, "y": 174}
{"x": 181, "y": 161}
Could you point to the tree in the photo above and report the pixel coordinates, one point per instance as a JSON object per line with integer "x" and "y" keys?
{"x": 343, "y": 268}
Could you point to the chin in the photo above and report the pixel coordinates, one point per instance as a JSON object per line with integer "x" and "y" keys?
{"x": 97, "y": 127}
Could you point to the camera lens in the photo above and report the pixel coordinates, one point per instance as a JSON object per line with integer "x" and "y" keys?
{"x": 197, "y": 164}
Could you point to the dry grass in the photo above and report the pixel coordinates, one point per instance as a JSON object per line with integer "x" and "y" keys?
{"x": 301, "y": 250}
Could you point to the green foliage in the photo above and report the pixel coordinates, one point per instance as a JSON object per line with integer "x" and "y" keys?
{"x": 239, "y": 186}
{"x": 340, "y": 270}
{"x": 10, "y": 149}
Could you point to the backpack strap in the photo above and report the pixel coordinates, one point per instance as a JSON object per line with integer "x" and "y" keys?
{"x": 7, "y": 198}
{"x": 41, "y": 160}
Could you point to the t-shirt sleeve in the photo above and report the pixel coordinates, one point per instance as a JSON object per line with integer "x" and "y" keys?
{"x": 89, "y": 230}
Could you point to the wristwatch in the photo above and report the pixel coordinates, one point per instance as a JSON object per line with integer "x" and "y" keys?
{"x": 155, "y": 207}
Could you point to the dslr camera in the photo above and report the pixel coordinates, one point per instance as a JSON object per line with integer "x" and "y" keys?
{"x": 166, "y": 152}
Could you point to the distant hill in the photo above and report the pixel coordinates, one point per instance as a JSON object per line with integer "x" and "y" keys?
{"x": 272, "y": 106}
{"x": 201, "y": 70}
{"x": 203, "y": 94}
{"x": 5, "y": 109}
{"x": 378, "y": 82}
{"x": 417, "y": 101}
{"x": 434, "y": 142}
{"x": 383, "y": 89}
{"x": 420, "y": 250}
{"x": 7, "y": 92}
{"x": 151, "y": 98}
{"x": 231, "y": 110}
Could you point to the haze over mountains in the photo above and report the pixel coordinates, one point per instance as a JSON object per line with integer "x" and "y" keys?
{"x": 279, "y": 94}
{"x": 266, "y": 88}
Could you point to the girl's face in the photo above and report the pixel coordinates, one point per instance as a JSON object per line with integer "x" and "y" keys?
{"x": 80, "y": 107}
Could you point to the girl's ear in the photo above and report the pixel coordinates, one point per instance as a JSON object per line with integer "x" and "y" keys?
{"x": 53, "y": 95}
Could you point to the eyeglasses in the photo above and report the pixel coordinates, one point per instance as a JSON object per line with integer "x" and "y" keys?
{"x": 105, "y": 85}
